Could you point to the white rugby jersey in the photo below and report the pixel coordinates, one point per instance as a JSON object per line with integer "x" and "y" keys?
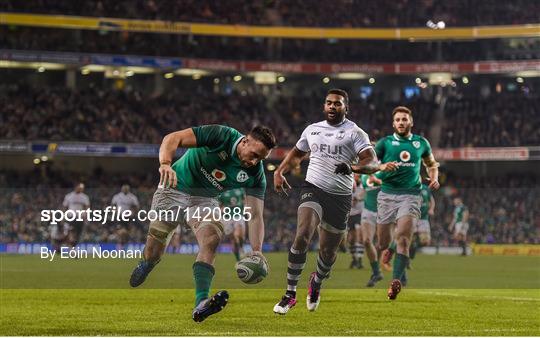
{"x": 76, "y": 201}
{"x": 125, "y": 201}
{"x": 357, "y": 205}
{"x": 330, "y": 145}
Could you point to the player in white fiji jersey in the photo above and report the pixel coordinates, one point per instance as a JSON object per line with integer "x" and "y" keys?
{"x": 124, "y": 200}
{"x": 76, "y": 200}
{"x": 337, "y": 147}
{"x": 354, "y": 235}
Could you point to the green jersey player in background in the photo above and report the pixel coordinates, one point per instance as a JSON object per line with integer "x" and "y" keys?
{"x": 372, "y": 186}
{"x": 427, "y": 209}
{"x": 218, "y": 158}
{"x": 460, "y": 224}
{"x": 399, "y": 200}
{"x": 234, "y": 227}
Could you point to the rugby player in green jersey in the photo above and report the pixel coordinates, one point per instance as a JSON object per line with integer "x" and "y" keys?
{"x": 234, "y": 227}
{"x": 423, "y": 229}
{"x": 372, "y": 186}
{"x": 460, "y": 224}
{"x": 399, "y": 200}
{"x": 219, "y": 158}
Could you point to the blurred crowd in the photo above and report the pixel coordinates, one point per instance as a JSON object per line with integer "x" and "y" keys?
{"x": 92, "y": 114}
{"x": 502, "y": 209}
{"x": 61, "y": 114}
{"x": 341, "y": 13}
{"x": 503, "y": 120}
{"x": 264, "y": 49}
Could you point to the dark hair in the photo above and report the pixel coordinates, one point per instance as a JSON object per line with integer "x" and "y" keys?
{"x": 340, "y": 92}
{"x": 264, "y": 135}
{"x": 401, "y": 109}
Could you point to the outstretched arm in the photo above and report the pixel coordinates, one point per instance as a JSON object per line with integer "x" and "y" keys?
{"x": 292, "y": 160}
{"x": 255, "y": 207}
{"x": 367, "y": 164}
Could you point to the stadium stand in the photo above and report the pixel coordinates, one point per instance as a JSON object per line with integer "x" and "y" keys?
{"x": 59, "y": 113}
{"x": 502, "y": 208}
{"x": 343, "y": 13}
{"x": 292, "y": 50}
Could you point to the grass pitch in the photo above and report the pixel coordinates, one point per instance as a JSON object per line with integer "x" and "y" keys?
{"x": 448, "y": 295}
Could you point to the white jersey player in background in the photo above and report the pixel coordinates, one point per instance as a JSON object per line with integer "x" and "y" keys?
{"x": 76, "y": 200}
{"x": 354, "y": 235}
{"x": 124, "y": 200}
{"x": 335, "y": 145}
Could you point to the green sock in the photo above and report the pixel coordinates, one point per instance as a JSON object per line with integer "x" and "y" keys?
{"x": 236, "y": 254}
{"x": 400, "y": 263}
{"x": 392, "y": 246}
{"x": 375, "y": 267}
{"x": 202, "y": 275}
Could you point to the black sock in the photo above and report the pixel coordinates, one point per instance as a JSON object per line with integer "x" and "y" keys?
{"x": 463, "y": 246}
{"x": 412, "y": 250}
{"x": 295, "y": 265}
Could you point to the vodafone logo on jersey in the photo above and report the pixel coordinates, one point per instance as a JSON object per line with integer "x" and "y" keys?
{"x": 405, "y": 156}
{"x": 219, "y": 175}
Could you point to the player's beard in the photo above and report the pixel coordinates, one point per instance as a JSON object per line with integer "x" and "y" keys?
{"x": 405, "y": 132}
{"x": 337, "y": 119}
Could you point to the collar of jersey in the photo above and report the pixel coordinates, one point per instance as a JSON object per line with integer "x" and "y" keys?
{"x": 337, "y": 125}
{"x": 234, "y": 154}
{"x": 399, "y": 138}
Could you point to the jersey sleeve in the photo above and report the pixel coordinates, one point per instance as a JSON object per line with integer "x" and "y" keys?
{"x": 379, "y": 174}
{"x": 302, "y": 143}
{"x": 87, "y": 200}
{"x": 135, "y": 201}
{"x": 212, "y": 135}
{"x": 65, "y": 203}
{"x": 427, "y": 148}
{"x": 114, "y": 200}
{"x": 360, "y": 140}
{"x": 379, "y": 149}
{"x": 259, "y": 186}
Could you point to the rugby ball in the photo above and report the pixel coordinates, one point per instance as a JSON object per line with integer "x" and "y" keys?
{"x": 251, "y": 269}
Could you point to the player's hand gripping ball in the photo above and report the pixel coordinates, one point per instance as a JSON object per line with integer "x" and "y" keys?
{"x": 252, "y": 269}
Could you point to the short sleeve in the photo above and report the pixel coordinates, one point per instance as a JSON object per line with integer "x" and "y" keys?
{"x": 427, "y": 148}
{"x": 66, "y": 202}
{"x": 302, "y": 143}
{"x": 114, "y": 200}
{"x": 212, "y": 135}
{"x": 379, "y": 149}
{"x": 258, "y": 189}
{"x": 360, "y": 140}
{"x": 135, "y": 201}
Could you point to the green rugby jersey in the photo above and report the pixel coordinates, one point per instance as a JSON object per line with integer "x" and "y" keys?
{"x": 408, "y": 152}
{"x": 458, "y": 213}
{"x": 372, "y": 191}
{"x": 214, "y": 167}
{"x": 426, "y": 197}
{"x": 232, "y": 198}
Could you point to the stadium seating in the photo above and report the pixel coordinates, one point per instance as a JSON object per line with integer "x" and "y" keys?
{"x": 502, "y": 208}
{"x": 296, "y": 50}
{"x": 345, "y": 13}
